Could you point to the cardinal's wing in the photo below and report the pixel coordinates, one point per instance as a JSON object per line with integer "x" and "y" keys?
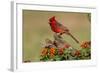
{"x": 59, "y": 24}
{"x": 62, "y": 26}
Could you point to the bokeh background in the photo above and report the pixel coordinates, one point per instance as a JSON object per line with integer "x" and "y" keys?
{"x": 36, "y": 29}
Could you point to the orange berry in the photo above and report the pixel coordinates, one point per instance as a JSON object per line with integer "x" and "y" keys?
{"x": 44, "y": 52}
{"x": 61, "y": 51}
{"x": 77, "y": 53}
{"x": 86, "y": 44}
{"x": 52, "y": 50}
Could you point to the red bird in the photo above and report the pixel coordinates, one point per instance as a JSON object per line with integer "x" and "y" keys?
{"x": 59, "y": 28}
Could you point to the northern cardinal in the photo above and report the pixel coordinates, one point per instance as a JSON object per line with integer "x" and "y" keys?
{"x": 59, "y": 28}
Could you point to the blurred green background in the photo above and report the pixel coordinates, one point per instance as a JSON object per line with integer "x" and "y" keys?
{"x": 36, "y": 29}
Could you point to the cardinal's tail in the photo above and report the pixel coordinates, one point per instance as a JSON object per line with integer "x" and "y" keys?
{"x": 73, "y": 37}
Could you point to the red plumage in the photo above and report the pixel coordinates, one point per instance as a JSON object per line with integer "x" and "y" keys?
{"x": 59, "y": 28}
{"x": 55, "y": 27}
